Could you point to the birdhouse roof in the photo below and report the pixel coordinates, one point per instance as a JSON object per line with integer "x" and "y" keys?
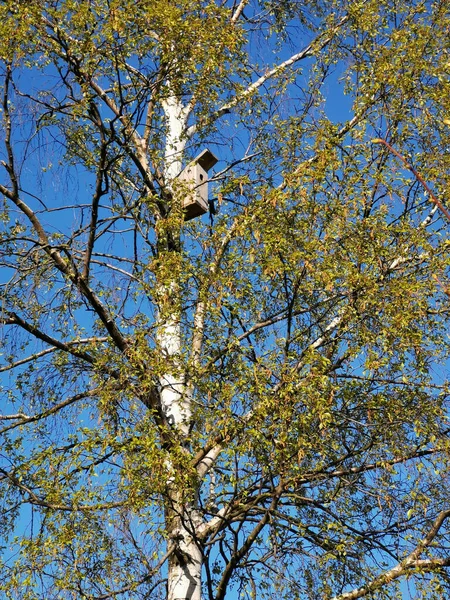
{"x": 206, "y": 159}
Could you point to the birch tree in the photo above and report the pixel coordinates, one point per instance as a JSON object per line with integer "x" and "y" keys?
{"x": 252, "y": 403}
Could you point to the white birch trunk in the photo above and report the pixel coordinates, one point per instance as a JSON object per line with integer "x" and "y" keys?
{"x": 185, "y": 563}
{"x": 175, "y": 406}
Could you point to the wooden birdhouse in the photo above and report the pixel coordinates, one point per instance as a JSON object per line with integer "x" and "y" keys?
{"x": 195, "y": 202}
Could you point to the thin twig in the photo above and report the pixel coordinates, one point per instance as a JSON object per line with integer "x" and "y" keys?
{"x": 416, "y": 174}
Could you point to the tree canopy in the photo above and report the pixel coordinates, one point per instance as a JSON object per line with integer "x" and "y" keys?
{"x": 249, "y": 404}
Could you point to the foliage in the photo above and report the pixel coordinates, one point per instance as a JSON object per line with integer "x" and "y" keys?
{"x": 300, "y": 332}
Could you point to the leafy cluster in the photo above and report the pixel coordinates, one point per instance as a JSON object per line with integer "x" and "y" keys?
{"x": 305, "y": 320}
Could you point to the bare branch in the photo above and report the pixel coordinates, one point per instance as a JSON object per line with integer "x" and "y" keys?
{"x": 213, "y": 525}
{"x": 37, "y": 355}
{"x": 12, "y": 417}
{"x": 114, "y": 268}
{"x": 7, "y": 121}
{"x": 381, "y": 464}
{"x": 25, "y": 419}
{"x": 99, "y": 192}
{"x": 207, "y": 462}
{"x": 237, "y": 13}
{"x": 410, "y": 562}
{"x": 245, "y": 158}
{"x": 68, "y": 269}
{"x": 315, "y": 46}
{"x": 14, "y": 319}
{"x": 416, "y": 174}
{"x": 134, "y": 586}
{"x": 236, "y": 557}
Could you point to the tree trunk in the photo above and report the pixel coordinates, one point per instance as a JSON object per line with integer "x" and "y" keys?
{"x": 185, "y": 562}
{"x": 182, "y": 519}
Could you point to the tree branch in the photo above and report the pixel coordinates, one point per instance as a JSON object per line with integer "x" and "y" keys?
{"x": 315, "y": 46}
{"x": 416, "y": 174}
{"x": 133, "y": 586}
{"x": 68, "y": 269}
{"x": 236, "y": 557}
{"x": 410, "y": 562}
{"x": 32, "y": 357}
{"x": 99, "y": 192}
{"x": 202, "y": 304}
{"x": 14, "y": 319}
{"x": 46, "y": 413}
{"x": 307, "y": 478}
{"x": 34, "y": 499}
{"x": 237, "y": 13}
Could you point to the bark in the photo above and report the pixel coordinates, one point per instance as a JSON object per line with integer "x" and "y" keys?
{"x": 182, "y": 518}
{"x": 175, "y": 405}
{"x": 185, "y": 562}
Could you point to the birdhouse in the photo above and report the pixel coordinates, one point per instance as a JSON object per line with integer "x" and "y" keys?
{"x": 195, "y": 174}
